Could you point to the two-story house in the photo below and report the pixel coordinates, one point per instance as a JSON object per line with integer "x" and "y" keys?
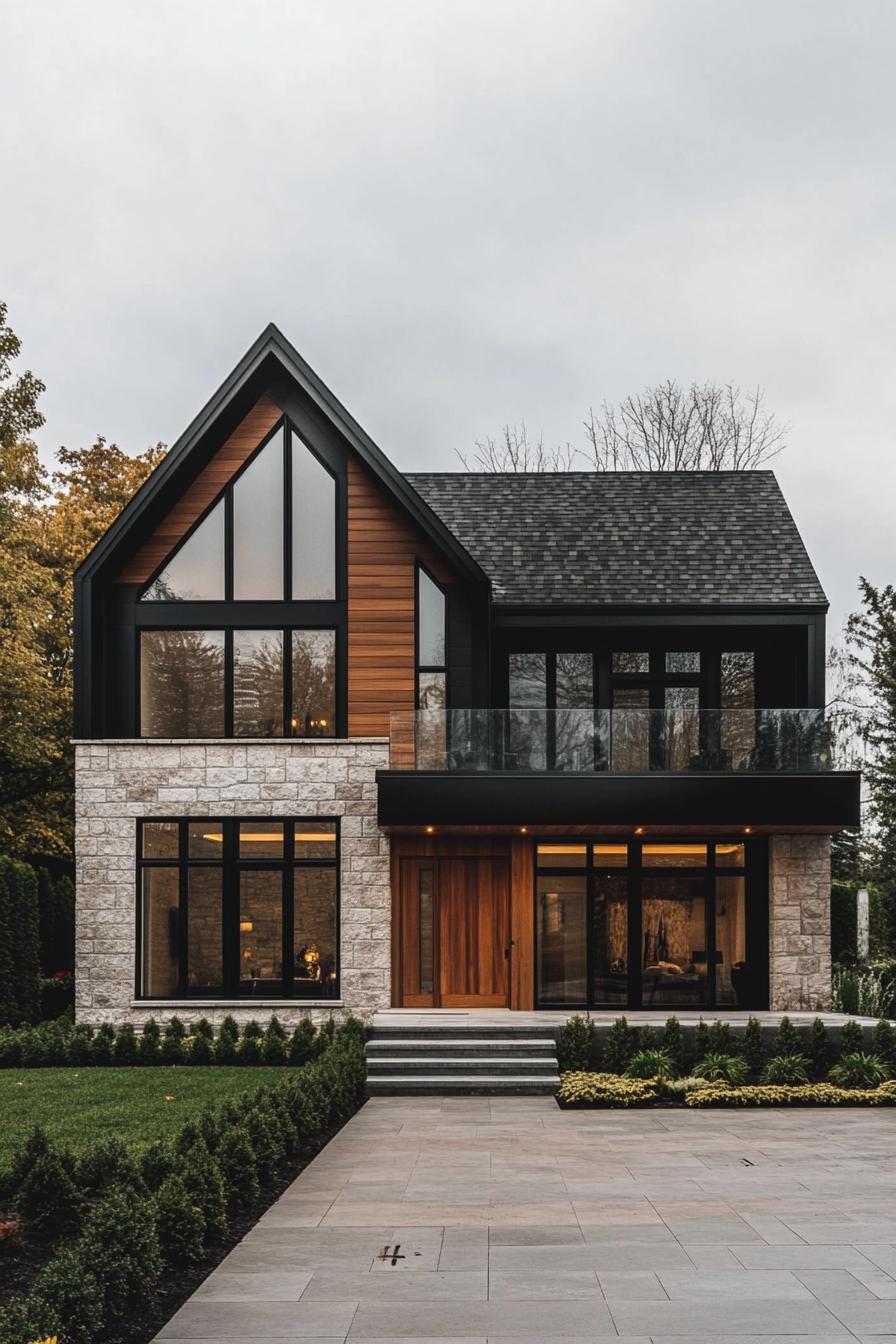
{"x": 352, "y": 737}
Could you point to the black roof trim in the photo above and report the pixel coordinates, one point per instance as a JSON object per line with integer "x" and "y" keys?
{"x": 272, "y": 344}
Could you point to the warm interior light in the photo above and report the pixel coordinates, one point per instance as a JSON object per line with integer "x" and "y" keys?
{"x": 524, "y": 830}
{"x": 639, "y": 830}
{"x": 246, "y": 926}
{"x": 314, "y": 837}
{"x": 430, "y": 830}
{"x": 561, "y": 849}
{"x": 675, "y": 849}
{"x": 747, "y": 830}
{"x": 294, "y": 723}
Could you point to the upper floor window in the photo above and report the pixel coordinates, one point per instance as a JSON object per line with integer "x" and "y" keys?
{"x": 431, "y": 674}
{"x": 240, "y": 683}
{"x": 270, "y": 536}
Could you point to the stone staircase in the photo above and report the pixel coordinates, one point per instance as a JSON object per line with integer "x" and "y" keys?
{"x": 476, "y": 1060}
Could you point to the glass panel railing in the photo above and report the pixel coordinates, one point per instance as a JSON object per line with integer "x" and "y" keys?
{"x": 623, "y": 741}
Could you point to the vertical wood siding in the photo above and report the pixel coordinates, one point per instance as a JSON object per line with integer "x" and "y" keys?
{"x": 383, "y": 547}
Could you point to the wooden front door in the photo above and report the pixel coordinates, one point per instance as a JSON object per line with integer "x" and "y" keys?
{"x": 455, "y": 933}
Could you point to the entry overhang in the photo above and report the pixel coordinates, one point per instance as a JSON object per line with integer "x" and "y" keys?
{"x": 821, "y": 801}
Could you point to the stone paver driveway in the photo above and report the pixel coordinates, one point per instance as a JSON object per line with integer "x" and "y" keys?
{"x": 504, "y": 1220}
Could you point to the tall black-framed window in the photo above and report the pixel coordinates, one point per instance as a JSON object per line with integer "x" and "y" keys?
{"x": 238, "y": 908}
{"x": 651, "y": 923}
{"x": 237, "y": 682}
{"x": 431, "y": 642}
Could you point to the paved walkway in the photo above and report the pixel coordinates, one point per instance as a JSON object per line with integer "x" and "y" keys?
{"x": 466, "y": 1220}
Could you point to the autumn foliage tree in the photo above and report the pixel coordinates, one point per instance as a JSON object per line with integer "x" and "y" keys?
{"x": 49, "y": 521}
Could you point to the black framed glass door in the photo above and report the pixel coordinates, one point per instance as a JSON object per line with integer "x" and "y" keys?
{"x": 649, "y": 923}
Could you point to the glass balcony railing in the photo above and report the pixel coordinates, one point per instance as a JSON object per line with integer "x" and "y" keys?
{"x": 622, "y": 741}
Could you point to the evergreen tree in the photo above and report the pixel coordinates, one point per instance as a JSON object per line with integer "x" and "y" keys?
{"x": 701, "y": 1040}
{"x": 871, "y": 638}
{"x": 819, "y": 1049}
{"x": 673, "y": 1043}
{"x": 753, "y": 1046}
{"x": 884, "y": 1042}
{"x": 787, "y": 1038}
{"x": 852, "y": 1038}
{"x": 618, "y": 1047}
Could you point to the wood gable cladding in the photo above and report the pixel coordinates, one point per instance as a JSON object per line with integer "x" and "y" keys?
{"x": 383, "y": 548}
{"x": 213, "y": 478}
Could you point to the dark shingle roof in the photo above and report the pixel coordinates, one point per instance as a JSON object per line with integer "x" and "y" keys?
{"x": 619, "y": 538}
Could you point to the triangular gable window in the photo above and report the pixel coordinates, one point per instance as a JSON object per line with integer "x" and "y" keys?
{"x": 195, "y": 572}
{"x": 284, "y": 485}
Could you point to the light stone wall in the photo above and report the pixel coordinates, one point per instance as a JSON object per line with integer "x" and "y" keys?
{"x": 799, "y": 916}
{"x": 119, "y": 781}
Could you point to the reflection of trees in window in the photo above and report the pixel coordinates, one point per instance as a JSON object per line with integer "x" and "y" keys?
{"x": 630, "y": 728}
{"x": 738, "y": 701}
{"x": 258, "y": 683}
{"x": 631, "y": 662}
{"x": 528, "y": 690}
{"x": 573, "y": 724}
{"x": 313, "y": 683}
{"x": 182, "y": 683}
{"x": 681, "y": 726}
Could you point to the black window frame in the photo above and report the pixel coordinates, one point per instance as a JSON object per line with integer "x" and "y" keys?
{"x": 420, "y": 568}
{"x": 286, "y": 632}
{"x": 754, "y": 872}
{"x": 231, "y": 864}
{"x": 289, "y": 432}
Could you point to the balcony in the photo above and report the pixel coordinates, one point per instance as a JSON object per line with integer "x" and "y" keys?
{"x": 766, "y": 769}
{"x": 622, "y": 741}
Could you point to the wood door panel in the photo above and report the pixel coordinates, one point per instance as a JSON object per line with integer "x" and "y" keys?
{"x": 474, "y": 925}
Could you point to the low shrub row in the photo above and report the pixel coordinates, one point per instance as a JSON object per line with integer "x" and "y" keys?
{"x": 60, "y": 1043}
{"x": 806, "y": 1094}
{"x": 118, "y": 1222}
{"x": 612, "y": 1091}
{"x": 582, "y": 1048}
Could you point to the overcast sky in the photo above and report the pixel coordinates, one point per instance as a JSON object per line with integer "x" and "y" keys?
{"x": 464, "y": 214}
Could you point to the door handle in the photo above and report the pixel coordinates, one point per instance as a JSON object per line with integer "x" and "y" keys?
{"x": 507, "y": 949}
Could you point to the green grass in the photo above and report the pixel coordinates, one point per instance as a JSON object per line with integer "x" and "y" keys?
{"x": 77, "y": 1107}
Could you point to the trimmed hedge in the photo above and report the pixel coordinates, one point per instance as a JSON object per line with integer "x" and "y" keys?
{"x": 19, "y": 943}
{"x": 126, "y": 1221}
{"x": 60, "y": 1043}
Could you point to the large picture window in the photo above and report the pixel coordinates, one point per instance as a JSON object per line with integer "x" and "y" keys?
{"x": 238, "y": 908}
{"x": 237, "y": 683}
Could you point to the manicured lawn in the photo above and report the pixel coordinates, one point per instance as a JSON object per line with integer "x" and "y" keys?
{"x": 80, "y": 1106}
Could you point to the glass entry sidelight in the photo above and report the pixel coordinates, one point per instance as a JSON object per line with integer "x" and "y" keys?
{"x": 648, "y": 924}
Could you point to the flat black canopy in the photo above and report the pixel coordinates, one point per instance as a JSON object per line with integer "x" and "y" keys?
{"x": 453, "y": 798}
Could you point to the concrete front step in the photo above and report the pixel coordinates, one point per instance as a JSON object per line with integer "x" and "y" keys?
{"x": 445, "y": 1046}
{"x": 450, "y": 1059}
{"x": 459, "y": 1031}
{"x": 428, "y": 1064}
{"x": 467, "y": 1084}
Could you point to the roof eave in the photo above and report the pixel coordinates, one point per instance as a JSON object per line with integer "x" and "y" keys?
{"x": 272, "y": 342}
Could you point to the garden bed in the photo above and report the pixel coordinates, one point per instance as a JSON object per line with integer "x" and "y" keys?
{"x": 713, "y": 1065}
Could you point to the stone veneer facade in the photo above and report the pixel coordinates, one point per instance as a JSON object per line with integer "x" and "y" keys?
{"x": 119, "y": 781}
{"x": 799, "y": 917}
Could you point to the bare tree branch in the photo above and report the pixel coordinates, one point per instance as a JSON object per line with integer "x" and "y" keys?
{"x": 514, "y": 452}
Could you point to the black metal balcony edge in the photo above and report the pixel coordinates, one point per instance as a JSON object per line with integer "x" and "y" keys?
{"x": 463, "y": 798}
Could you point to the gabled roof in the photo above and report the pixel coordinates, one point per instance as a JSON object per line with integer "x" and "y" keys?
{"x": 628, "y": 538}
{"x": 270, "y": 358}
